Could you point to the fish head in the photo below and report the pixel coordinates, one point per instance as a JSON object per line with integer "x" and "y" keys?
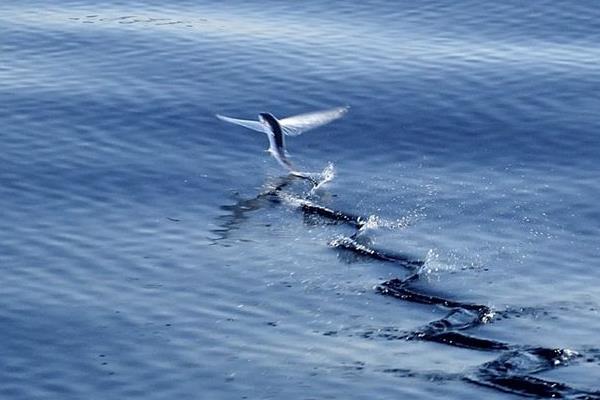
{"x": 268, "y": 120}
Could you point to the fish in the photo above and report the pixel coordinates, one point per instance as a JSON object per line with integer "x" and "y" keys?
{"x": 277, "y": 129}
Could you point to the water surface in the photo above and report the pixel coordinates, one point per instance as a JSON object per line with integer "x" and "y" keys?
{"x": 136, "y": 263}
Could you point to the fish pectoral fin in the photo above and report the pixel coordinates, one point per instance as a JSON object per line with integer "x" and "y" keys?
{"x": 294, "y": 126}
{"x": 254, "y": 125}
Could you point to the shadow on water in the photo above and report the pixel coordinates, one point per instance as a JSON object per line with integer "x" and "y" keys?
{"x": 512, "y": 371}
{"x": 236, "y": 213}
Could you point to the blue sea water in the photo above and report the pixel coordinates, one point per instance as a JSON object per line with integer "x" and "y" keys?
{"x": 138, "y": 263}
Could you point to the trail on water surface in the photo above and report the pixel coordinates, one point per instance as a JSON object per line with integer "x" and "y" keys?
{"x": 512, "y": 371}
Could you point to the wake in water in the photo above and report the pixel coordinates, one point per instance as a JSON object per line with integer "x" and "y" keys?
{"x": 512, "y": 371}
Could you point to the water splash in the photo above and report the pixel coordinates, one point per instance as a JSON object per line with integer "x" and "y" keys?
{"x": 323, "y": 177}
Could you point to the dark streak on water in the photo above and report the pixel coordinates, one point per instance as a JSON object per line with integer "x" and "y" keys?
{"x": 133, "y": 265}
{"x": 510, "y": 372}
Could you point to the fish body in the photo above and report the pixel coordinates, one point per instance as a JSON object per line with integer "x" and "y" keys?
{"x": 276, "y": 140}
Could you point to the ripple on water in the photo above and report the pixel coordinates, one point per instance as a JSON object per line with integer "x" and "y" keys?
{"x": 472, "y": 137}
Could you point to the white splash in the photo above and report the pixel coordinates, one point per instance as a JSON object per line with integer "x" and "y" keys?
{"x": 323, "y": 177}
{"x": 433, "y": 264}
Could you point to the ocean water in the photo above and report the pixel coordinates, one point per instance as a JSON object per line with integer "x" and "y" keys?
{"x": 144, "y": 253}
